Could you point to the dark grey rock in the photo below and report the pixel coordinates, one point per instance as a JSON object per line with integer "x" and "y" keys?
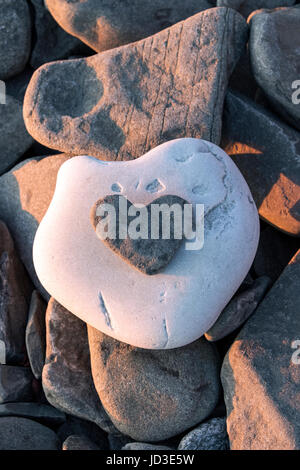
{"x": 51, "y": 41}
{"x": 151, "y": 395}
{"x": 24, "y": 434}
{"x": 267, "y": 152}
{"x": 14, "y": 138}
{"x": 25, "y": 194}
{"x": 261, "y": 372}
{"x": 275, "y": 57}
{"x": 117, "y": 442}
{"x": 239, "y": 309}
{"x": 211, "y": 435}
{"x": 86, "y": 429}
{"x": 147, "y": 255}
{"x": 15, "y": 384}
{"x": 275, "y": 249}
{"x": 15, "y": 293}
{"x": 79, "y": 443}
{"x": 44, "y": 414}
{"x": 167, "y": 86}
{"x": 67, "y": 379}
{"x": 245, "y": 7}
{"x": 144, "y": 446}
{"x": 36, "y": 334}
{"x": 105, "y": 25}
{"x": 15, "y": 37}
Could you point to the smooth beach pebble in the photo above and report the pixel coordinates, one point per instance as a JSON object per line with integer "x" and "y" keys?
{"x": 180, "y": 303}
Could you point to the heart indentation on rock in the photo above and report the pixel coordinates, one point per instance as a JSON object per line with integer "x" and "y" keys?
{"x": 148, "y": 255}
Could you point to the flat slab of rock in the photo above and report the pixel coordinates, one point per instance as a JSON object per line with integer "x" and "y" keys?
{"x": 261, "y": 372}
{"x": 245, "y": 7}
{"x": 153, "y": 395}
{"x": 15, "y": 293}
{"x": 67, "y": 378}
{"x": 239, "y": 309}
{"x": 25, "y": 194}
{"x": 36, "y": 334}
{"x": 105, "y": 25}
{"x": 15, "y": 384}
{"x": 121, "y": 103}
{"x": 179, "y": 304}
{"x": 267, "y": 151}
{"x": 24, "y": 434}
{"x": 15, "y": 37}
{"x": 275, "y": 57}
{"x": 211, "y": 435}
{"x": 44, "y": 414}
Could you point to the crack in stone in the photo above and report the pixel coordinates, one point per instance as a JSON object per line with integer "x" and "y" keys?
{"x": 104, "y": 311}
{"x": 165, "y": 327}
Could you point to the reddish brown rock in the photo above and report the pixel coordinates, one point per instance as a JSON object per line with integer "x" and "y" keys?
{"x": 121, "y": 103}
{"x": 261, "y": 371}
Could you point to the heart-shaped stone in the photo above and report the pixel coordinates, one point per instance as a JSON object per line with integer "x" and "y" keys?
{"x": 148, "y": 255}
{"x": 180, "y": 303}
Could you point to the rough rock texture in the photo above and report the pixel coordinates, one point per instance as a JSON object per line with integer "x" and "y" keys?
{"x": 24, "y": 203}
{"x": 79, "y": 443}
{"x": 51, "y": 41}
{"x": 275, "y": 57}
{"x": 239, "y": 309}
{"x": 261, "y": 373}
{"x": 211, "y": 435}
{"x": 245, "y": 7}
{"x": 121, "y": 103}
{"x": 147, "y": 255}
{"x": 14, "y": 138}
{"x": 44, "y": 414}
{"x": 15, "y": 292}
{"x": 15, "y": 384}
{"x": 36, "y": 334}
{"x": 105, "y": 25}
{"x": 144, "y": 446}
{"x": 267, "y": 151}
{"x": 15, "y": 37}
{"x": 153, "y": 395}
{"x": 67, "y": 379}
{"x": 24, "y": 434}
{"x": 275, "y": 249}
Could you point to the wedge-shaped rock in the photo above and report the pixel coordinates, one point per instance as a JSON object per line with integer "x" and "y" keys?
{"x": 267, "y": 151}
{"x": 261, "y": 372}
{"x": 104, "y": 24}
{"x": 179, "y": 304}
{"x": 121, "y": 103}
